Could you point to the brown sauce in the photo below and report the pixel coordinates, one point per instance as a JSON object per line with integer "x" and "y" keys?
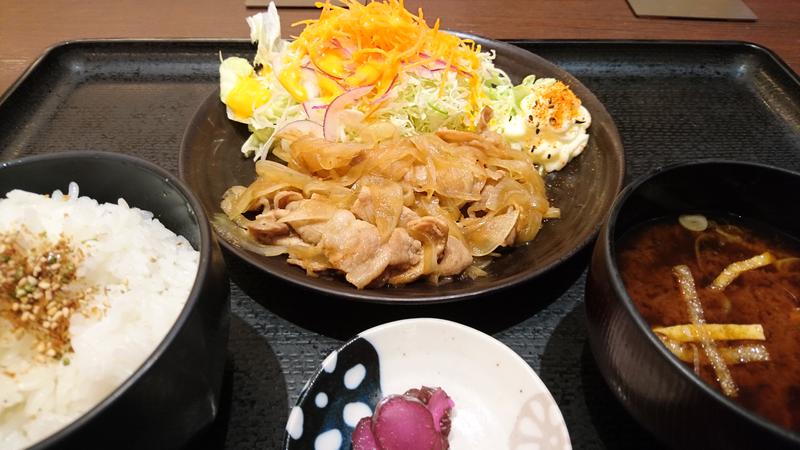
{"x": 769, "y": 296}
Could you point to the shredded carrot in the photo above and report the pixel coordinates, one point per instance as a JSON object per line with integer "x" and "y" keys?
{"x": 384, "y": 35}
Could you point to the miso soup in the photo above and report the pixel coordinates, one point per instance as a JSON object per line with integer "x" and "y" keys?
{"x": 746, "y": 276}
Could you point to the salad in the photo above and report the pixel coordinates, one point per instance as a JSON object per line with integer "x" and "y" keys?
{"x": 359, "y": 64}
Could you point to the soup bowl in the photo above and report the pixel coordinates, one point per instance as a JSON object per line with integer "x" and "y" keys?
{"x": 174, "y": 394}
{"x": 659, "y": 390}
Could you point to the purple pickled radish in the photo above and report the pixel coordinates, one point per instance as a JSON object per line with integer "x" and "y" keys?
{"x": 363, "y": 439}
{"x": 416, "y": 420}
{"x": 404, "y": 423}
{"x": 440, "y": 405}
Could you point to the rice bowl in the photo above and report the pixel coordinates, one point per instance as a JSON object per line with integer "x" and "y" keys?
{"x": 136, "y": 303}
{"x": 174, "y": 392}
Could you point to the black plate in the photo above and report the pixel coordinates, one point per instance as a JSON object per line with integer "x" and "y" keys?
{"x": 211, "y": 162}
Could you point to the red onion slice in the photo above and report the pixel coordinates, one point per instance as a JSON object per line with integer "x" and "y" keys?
{"x": 332, "y": 123}
{"x": 386, "y": 94}
{"x": 438, "y": 64}
{"x": 313, "y": 112}
{"x": 312, "y": 65}
{"x": 347, "y": 52}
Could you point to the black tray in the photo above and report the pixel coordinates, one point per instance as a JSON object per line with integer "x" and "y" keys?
{"x": 672, "y": 101}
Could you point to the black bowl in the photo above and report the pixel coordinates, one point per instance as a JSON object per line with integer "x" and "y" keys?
{"x": 657, "y": 388}
{"x": 175, "y": 393}
{"x": 211, "y": 162}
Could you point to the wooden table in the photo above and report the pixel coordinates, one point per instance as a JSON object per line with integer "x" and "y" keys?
{"x": 27, "y": 28}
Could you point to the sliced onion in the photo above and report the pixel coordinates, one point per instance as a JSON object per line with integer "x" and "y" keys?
{"x": 422, "y": 71}
{"x": 321, "y": 70}
{"x": 438, "y": 64}
{"x": 310, "y": 210}
{"x": 387, "y": 202}
{"x": 314, "y": 113}
{"x": 299, "y": 128}
{"x": 733, "y": 270}
{"x": 231, "y": 233}
{"x": 553, "y": 213}
{"x": 485, "y": 234}
{"x": 332, "y": 121}
{"x": 351, "y": 118}
{"x": 339, "y": 45}
{"x": 386, "y": 93}
{"x": 783, "y": 263}
{"x": 698, "y": 243}
{"x": 228, "y": 199}
{"x": 473, "y": 272}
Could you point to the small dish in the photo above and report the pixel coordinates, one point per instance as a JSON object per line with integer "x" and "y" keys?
{"x": 499, "y": 399}
{"x": 211, "y": 162}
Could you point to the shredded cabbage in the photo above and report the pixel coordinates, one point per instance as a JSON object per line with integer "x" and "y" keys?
{"x": 444, "y": 85}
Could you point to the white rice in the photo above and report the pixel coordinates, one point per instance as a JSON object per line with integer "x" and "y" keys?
{"x": 148, "y": 273}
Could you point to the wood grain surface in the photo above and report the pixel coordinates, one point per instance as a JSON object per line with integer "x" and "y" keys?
{"x": 28, "y": 28}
